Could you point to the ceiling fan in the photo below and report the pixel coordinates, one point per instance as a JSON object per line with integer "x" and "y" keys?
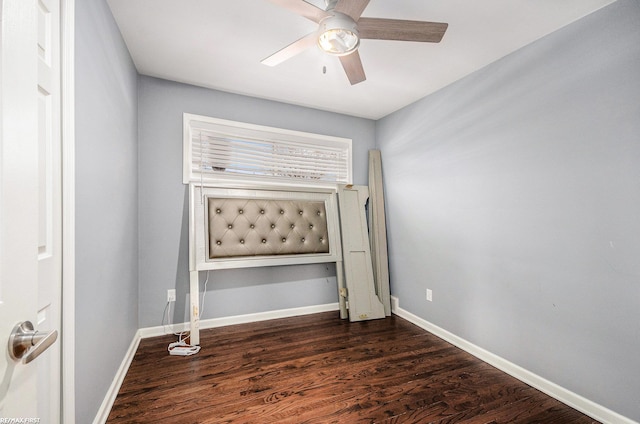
{"x": 340, "y": 29}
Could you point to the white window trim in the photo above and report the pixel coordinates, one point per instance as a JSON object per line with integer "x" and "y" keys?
{"x": 193, "y": 123}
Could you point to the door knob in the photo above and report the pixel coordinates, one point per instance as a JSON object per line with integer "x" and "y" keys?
{"x": 27, "y": 344}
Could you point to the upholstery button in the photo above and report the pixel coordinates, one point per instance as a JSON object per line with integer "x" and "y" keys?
{"x": 241, "y": 241}
{"x": 218, "y": 242}
{"x": 293, "y": 226}
{"x": 300, "y": 212}
{"x": 281, "y": 212}
{"x": 229, "y": 226}
{"x": 284, "y": 239}
{"x": 321, "y": 239}
{"x": 311, "y": 226}
{"x": 218, "y": 211}
{"x": 240, "y": 211}
{"x": 252, "y": 226}
{"x": 302, "y": 239}
{"x": 273, "y": 225}
{"x": 264, "y": 241}
{"x": 318, "y": 213}
{"x": 262, "y": 211}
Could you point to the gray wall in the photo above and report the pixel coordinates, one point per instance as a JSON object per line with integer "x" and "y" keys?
{"x": 163, "y": 203}
{"x": 515, "y": 195}
{"x": 106, "y": 204}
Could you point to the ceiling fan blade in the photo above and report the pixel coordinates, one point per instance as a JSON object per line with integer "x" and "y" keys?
{"x": 291, "y": 50}
{"x": 353, "y": 8}
{"x": 303, "y": 8}
{"x": 353, "y": 67}
{"x": 398, "y": 29}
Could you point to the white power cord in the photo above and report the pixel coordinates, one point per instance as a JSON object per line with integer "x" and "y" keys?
{"x": 182, "y": 348}
{"x": 204, "y": 293}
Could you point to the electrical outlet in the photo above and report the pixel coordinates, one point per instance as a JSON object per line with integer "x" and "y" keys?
{"x": 171, "y": 295}
{"x": 429, "y": 295}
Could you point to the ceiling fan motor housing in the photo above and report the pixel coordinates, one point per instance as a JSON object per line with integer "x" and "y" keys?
{"x": 338, "y": 34}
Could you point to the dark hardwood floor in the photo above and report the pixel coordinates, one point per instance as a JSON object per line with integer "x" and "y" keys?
{"x": 320, "y": 369}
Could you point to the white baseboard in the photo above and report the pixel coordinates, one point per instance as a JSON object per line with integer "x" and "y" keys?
{"x": 238, "y": 319}
{"x": 112, "y": 393}
{"x": 565, "y": 396}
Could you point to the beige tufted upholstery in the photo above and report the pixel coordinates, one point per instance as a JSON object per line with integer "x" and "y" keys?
{"x": 258, "y": 227}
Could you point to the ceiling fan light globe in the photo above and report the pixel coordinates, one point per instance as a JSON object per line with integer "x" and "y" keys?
{"x": 338, "y": 34}
{"x": 338, "y": 41}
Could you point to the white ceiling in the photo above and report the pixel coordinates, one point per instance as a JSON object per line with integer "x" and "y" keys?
{"x": 219, "y": 44}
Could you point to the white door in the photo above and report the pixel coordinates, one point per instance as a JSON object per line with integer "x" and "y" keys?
{"x": 49, "y": 205}
{"x": 30, "y": 207}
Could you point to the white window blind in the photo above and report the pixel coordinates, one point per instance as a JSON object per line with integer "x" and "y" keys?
{"x": 219, "y": 150}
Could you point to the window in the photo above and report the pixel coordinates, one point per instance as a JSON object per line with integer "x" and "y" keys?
{"x": 222, "y": 151}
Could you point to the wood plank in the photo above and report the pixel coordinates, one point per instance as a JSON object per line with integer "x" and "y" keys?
{"x": 319, "y": 368}
{"x": 378, "y": 230}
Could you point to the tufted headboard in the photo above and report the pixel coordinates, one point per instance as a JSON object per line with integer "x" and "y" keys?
{"x": 236, "y": 228}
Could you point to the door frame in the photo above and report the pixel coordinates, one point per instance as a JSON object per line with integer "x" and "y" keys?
{"x": 67, "y": 64}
